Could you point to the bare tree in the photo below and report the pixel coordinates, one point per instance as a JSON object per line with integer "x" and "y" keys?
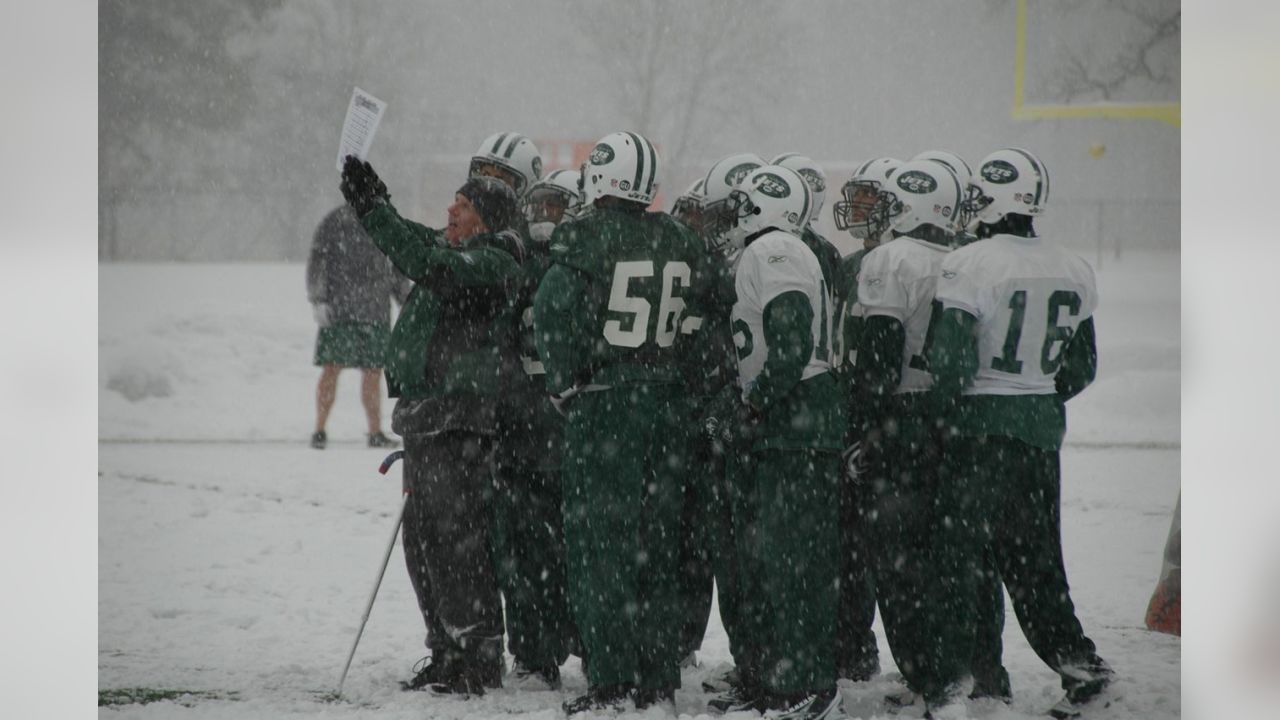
{"x": 686, "y": 69}
{"x": 1145, "y": 63}
{"x": 165, "y": 76}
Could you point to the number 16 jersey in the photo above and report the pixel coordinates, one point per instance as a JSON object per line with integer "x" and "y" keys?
{"x": 1028, "y": 296}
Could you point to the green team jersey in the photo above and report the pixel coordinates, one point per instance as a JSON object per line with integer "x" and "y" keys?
{"x": 440, "y": 345}
{"x": 849, "y": 316}
{"x": 828, "y": 259}
{"x": 530, "y": 429}
{"x": 611, "y": 310}
{"x": 714, "y": 341}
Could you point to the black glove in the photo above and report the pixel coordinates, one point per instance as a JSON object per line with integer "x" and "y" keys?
{"x": 729, "y": 421}
{"x": 361, "y": 187}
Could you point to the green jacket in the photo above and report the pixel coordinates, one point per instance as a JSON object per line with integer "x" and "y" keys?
{"x": 440, "y": 348}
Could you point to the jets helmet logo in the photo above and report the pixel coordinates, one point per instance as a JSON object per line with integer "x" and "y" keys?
{"x": 914, "y": 181}
{"x": 537, "y": 166}
{"x": 602, "y": 155}
{"x": 735, "y": 175}
{"x": 814, "y": 180}
{"x": 999, "y": 172}
{"x": 773, "y": 186}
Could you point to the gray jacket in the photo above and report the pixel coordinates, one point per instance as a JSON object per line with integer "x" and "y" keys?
{"x": 347, "y": 272}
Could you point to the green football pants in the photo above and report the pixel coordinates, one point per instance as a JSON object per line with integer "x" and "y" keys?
{"x": 626, "y": 457}
{"x": 789, "y": 571}
{"x": 903, "y": 459}
{"x": 1001, "y": 512}
{"x": 857, "y": 653}
{"x": 697, "y": 571}
{"x": 528, "y": 548}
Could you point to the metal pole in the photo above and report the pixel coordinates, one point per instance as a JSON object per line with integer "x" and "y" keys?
{"x": 382, "y": 570}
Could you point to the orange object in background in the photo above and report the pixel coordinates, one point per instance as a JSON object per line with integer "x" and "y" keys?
{"x": 1164, "y": 612}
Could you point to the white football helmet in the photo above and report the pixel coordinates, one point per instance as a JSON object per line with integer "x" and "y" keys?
{"x": 812, "y": 174}
{"x": 688, "y": 207}
{"x": 963, "y": 173}
{"x": 858, "y": 212}
{"x": 622, "y": 165}
{"x": 772, "y": 197}
{"x": 551, "y": 201}
{"x": 922, "y": 192}
{"x": 512, "y": 152}
{"x": 1010, "y": 180}
{"x": 718, "y": 219}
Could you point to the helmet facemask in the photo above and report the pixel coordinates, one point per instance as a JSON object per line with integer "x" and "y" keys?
{"x": 546, "y": 204}
{"x": 688, "y": 210}
{"x": 485, "y": 167}
{"x": 719, "y": 220}
{"x": 861, "y": 213}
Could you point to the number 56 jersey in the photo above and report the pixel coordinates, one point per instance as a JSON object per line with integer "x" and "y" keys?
{"x": 611, "y": 310}
{"x": 1028, "y": 296}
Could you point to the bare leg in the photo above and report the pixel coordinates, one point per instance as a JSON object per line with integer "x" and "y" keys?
{"x": 371, "y": 395}
{"x": 325, "y": 393}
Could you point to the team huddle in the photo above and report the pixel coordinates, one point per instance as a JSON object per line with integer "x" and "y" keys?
{"x": 611, "y": 413}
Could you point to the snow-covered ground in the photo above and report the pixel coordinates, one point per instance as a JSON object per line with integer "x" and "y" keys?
{"x": 234, "y": 561}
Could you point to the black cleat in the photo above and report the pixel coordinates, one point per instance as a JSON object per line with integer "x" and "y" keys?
{"x": 526, "y": 677}
{"x": 600, "y": 697}
{"x": 822, "y": 705}
{"x": 426, "y": 672}
{"x": 319, "y": 439}
{"x": 1088, "y": 688}
{"x": 737, "y": 698}
{"x": 722, "y": 683}
{"x": 995, "y": 688}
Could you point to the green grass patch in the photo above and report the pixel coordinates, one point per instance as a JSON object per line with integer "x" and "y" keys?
{"x": 142, "y": 696}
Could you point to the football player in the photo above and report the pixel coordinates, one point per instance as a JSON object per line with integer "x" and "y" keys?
{"x": 896, "y": 418}
{"x": 610, "y": 325}
{"x": 990, "y": 679}
{"x": 1014, "y": 343}
{"x": 550, "y": 201}
{"x": 688, "y": 207}
{"x": 528, "y": 528}
{"x": 510, "y": 157}
{"x": 718, "y": 501}
{"x": 828, "y": 254}
{"x": 857, "y": 653}
{"x": 789, "y": 419}
{"x": 964, "y": 174}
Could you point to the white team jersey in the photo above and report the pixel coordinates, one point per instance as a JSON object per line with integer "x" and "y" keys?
{"x": 777, "y": 263}
{"x": 897, "y": 280}
{"x": 1029, "y": 296}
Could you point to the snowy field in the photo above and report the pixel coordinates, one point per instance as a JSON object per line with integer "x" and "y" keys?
{"x": 234, "y": 562}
